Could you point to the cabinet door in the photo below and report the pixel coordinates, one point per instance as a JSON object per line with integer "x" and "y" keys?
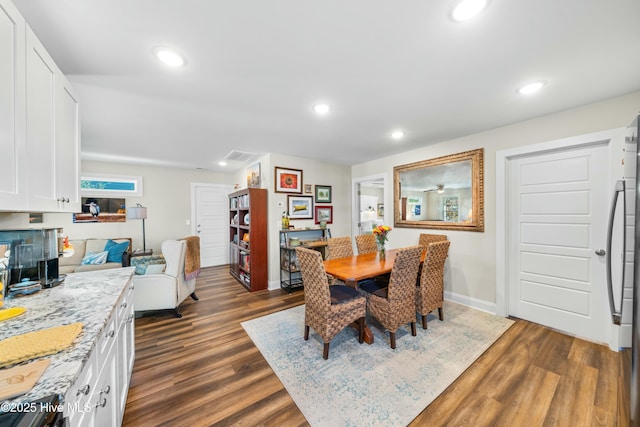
{"x": 105, "y": 402}
{"x": 40, "y": 86}
{"x": 125, "y": 347}
{"x": 13, "y": 185}
{"x": 67, "y": 147}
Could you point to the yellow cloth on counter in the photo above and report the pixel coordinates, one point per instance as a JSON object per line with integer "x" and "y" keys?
{"x": 37, "y": 343}
{"x": 8, "y": 313}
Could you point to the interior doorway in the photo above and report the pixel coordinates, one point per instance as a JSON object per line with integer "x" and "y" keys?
{"x": 552, "y": 203}
{"x": 369, "y": 197}
{"x": 210, "y": 220}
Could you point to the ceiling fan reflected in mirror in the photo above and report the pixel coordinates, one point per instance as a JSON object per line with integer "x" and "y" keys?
{"x": 439, "y": 188}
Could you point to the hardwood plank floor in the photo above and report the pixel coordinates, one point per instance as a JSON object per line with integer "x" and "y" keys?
{"x": 203, "y": 370}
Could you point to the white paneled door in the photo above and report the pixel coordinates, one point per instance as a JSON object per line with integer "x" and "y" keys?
{"x": 557, "y": 212}
{"x": 211, "y": 220}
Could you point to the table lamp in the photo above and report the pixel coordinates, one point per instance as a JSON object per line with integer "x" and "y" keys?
{"x": 139, "y": 212}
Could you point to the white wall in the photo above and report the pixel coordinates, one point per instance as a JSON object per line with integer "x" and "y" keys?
{"x": 472, "y": 265}
{"x": 166, "y": 194}
{"x": 314, "y": 173}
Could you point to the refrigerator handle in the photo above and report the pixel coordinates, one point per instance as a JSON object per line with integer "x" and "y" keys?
{"x": 616, "y": 316}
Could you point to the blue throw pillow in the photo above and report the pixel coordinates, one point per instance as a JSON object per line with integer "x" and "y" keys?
{"x": 115, "y": 250}
{"x": 95, "y": 258}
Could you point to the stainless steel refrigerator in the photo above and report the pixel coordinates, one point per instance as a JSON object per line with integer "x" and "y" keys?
{"x": 628, "y": 399}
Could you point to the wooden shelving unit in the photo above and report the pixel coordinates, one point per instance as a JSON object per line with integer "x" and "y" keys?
{"x": 248, "y": 256}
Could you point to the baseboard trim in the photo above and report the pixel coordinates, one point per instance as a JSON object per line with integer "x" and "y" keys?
{"x": 273, "y": 285}
{"x": 478, "y": 304}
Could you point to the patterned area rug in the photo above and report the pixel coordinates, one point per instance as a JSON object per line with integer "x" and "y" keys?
{"x": 372, "y": 385}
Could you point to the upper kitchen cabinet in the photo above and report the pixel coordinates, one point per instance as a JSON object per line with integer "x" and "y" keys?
{"x": 52, "y": 133}
{"x": 39, "y": 124}
{"x": 13, "y": 185}
{"x": 67, "y": 119}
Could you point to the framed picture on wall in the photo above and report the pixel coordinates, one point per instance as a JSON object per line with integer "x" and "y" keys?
{"x": 288, "y": 180}
{"x": 300, "y": 207}
{"x": 253, "y": 176}
{"x": 323, "y": 194}
{"x": 324, "y": 213}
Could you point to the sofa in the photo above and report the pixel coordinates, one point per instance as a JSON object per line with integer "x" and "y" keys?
{"x": 92, "y": 252}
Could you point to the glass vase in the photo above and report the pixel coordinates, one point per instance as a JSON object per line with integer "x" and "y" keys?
{"x": 382, "y": 251}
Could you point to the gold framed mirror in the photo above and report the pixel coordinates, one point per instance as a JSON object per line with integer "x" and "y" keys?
{"x": 445, "y": 193}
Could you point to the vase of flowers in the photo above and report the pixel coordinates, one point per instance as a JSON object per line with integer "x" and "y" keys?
{"x": 381, "y": 233}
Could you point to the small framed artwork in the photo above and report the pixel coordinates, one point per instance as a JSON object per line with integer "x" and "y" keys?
{"x": 101, "y": 209}
{"x": 324, "y": 213}
{"x": 307, "y": 189}
{"x": 288, "y": 180}
{"x": 300, "y": 207}
{"x": 380, "y": 209}
{"x": 253, "y": 176}
{"x": 323, "y": 194}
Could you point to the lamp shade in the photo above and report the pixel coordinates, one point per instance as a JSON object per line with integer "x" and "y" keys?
{"x": 137, "y": 212}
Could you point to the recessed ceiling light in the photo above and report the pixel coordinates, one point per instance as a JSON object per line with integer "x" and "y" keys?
{"x": 530, "y": 88}
{"x": 467, "y": 9}
{"x": 222, "y": 163}
{"x": 169, "y": 57}
{"x": 321, "y": 108}
{"x": 397, "y": 134}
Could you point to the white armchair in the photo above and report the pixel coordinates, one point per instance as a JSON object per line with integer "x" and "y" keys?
{"x": 165, "y": 291}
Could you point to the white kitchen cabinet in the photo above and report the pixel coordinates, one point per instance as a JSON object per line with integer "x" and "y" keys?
{"x": 39, "y": 124}
{"x": 99, "y": 395}
{"x": 67, "y": 147}
{"x": 78, "y": 400}
{"x": 52, "y": 134}
{"x": 40, "y": 81}
{"x": 126, "y": 347}
{"x": 13, "y": 185}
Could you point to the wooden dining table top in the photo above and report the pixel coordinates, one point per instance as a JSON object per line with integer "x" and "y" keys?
{"x": 360, "y": 267}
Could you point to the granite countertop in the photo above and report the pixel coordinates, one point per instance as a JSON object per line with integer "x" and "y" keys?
{"x": 88, "y": 297}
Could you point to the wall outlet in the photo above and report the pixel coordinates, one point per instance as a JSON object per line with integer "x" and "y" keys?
{"x": 187, "y": 222}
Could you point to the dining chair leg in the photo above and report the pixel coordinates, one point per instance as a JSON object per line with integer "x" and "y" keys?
{"x": 424, "y": 321}
{"x": 306, "y": 332}
{"x": 413, "y": 329}
{"x": 325, "y": 352}
{"x": 361, "y": 330}
{"x": 392, "y": 336}
{"x": 441, "y": 313}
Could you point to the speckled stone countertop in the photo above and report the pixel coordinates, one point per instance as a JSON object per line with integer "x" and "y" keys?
{"x": 88, "y": 297}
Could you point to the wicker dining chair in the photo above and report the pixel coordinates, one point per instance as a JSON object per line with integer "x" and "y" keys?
{"x": 328, "y": 309}
{"x": 426, "y": 238}
{"x": 339, "y": 247}
{"x": 396, "y": 305}
{"x": 366, "y": 243}
{"x": 430, "y": 289}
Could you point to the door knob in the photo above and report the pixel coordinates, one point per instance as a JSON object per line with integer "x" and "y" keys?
{"x": 601, "y": 252}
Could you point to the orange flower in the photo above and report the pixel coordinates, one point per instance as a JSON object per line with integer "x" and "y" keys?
{"x": 381, "y": 232}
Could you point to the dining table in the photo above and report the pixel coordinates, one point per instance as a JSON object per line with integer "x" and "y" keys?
{"x": 358, "y": 268}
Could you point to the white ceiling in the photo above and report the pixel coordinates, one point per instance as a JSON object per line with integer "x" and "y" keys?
{"x": 255, "y": 68}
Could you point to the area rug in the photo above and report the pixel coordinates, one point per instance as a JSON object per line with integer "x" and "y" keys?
{"x": 372, "y": 385}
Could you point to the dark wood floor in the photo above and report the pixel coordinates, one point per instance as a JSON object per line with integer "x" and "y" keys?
{"x": 204, "y": 370}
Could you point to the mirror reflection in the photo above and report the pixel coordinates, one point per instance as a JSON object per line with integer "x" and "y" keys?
{"x": 444, "y": 193}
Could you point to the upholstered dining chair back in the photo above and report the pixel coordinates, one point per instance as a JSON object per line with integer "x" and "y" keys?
{"x": 366, "y": 243}
{"x": 430, "y": 290}
{"x": 426, "y": 238}
{"x": 339, "y": 247}
{"x": 398, "y": 306}
{"x": 328, "y": 309}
